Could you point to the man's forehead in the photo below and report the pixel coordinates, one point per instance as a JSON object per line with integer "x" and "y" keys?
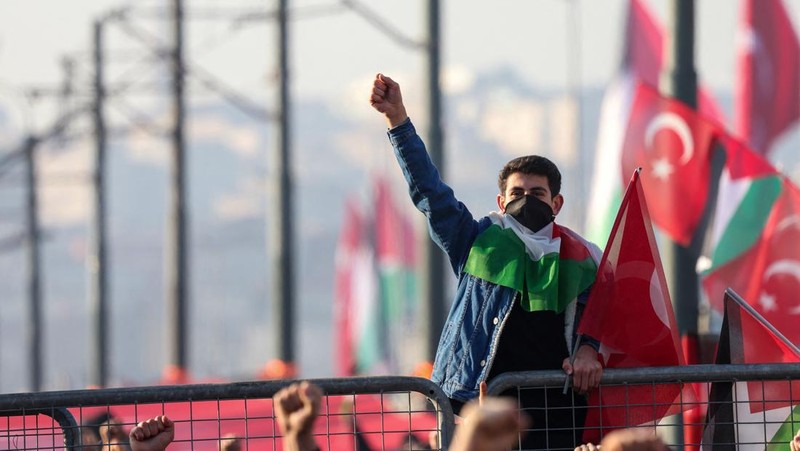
{"x": 527, "y": 181}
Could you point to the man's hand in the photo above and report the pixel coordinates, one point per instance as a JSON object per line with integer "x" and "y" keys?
{"x": 153, "y": 434}
{"x": 386, "y": 98}
{"x": 629, "y": 440}
{"x": 586, "y": 370}
{"x": 587, "y": 447}
{"x": 794, "y": 445}
{"x": 296, "y": 408}
{"x": 493, "y": 425}
{"x": 632, "y": 440}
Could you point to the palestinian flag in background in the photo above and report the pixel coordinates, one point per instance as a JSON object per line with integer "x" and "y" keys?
{"x": 354, "y": 307}
{"x": 642, "y": 62}
{"x": 395, "y": 258}
{"x": 756, "y": 239}
{"x": 754, "y": 415}
{"x": 375, "y": 285}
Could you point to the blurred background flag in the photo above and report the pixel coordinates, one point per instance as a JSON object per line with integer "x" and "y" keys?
{"x": 395, "y": 258}
{"x": 642, "y": 62}
{"x": 375, "y": 286}
{"x": 673, "y": 145}
{"x": 768, "y": 84}
{"x": 354, "y": 292}
{"x": 756, "y": 243}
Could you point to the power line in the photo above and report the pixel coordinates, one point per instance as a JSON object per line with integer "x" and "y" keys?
{"x": 10, "y": 158}
{"x": 373, "y": 18}
{"x": 383, "y": 25}
{"x": 305, "y": 12}
{"x": 12, "y": 242}
{"x": 205, "y": 77}
{"x": 137, "y": 119}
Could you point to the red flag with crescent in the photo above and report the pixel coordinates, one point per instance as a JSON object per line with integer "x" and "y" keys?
{"x": 629, "y": 311}
{"x": 672, "y": 145}
{"x": 768, "y": 273}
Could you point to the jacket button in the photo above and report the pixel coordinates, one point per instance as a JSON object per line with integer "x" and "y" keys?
{"x": 483, "y": 362}
{"x": 495, "y": 321}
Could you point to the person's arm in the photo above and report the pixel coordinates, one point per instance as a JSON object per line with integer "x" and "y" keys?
{"x": 451, "y": 224}
{"x": 296, "y": 409}
{"x": 152, "y": 435}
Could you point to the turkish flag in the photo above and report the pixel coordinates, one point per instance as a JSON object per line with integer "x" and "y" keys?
{"x": 768, "y": 273}
{"x": 768, "y": 85}
{"x": 671, "y": 143}
{"x": 760, "y": 342}
{"x": 629, "y": 311}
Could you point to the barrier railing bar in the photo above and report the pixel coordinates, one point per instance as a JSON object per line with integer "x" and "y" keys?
{"x": 60, "y": 415}
{"x": 658, "y": 375}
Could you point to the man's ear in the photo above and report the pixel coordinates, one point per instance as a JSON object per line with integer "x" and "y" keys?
{"x": 558, "y": 202}
{"x": 501, "y": 203}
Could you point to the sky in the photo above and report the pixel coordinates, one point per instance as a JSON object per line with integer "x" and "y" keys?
{"x": 333, "y": 51}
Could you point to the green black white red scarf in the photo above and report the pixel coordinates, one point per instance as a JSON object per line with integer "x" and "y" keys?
{"x": 550, "y": 268}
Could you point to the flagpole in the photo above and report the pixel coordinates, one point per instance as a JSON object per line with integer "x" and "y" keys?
{"x": 729, "y": 292}
{"x": 572, "y": 361}
{"x": 679, "y": 80}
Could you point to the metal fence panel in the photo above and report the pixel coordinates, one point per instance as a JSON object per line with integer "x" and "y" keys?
{"x": 754, "y": 407}
{"x": 37, "y": 429}
{"x": 377, "y": 412}
{"x": 758, "y": 409}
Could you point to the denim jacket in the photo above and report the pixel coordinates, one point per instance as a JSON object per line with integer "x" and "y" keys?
{"x": 480, "y": 309}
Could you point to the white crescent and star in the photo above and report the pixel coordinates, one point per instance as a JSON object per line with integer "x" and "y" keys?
{"x": 662, "y": 167}
{"x": 786, "y": 266}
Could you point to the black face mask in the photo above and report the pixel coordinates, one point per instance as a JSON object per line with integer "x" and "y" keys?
{"x": 531, "y": 212}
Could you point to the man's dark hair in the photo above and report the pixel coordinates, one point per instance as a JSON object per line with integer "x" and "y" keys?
{"x": 531, "y": 164}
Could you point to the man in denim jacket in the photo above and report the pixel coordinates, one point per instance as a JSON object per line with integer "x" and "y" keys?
{"x": 522, "y": 281}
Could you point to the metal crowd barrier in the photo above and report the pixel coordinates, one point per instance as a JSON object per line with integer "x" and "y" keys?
{"x": 755, "y": 406}
{"x": 366, "y": 412}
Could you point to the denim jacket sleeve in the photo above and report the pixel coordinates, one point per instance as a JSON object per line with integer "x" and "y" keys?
{"x": 450, "y": 223}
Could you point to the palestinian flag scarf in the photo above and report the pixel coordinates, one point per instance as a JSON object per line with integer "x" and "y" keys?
{"x": 549, "y": 268}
